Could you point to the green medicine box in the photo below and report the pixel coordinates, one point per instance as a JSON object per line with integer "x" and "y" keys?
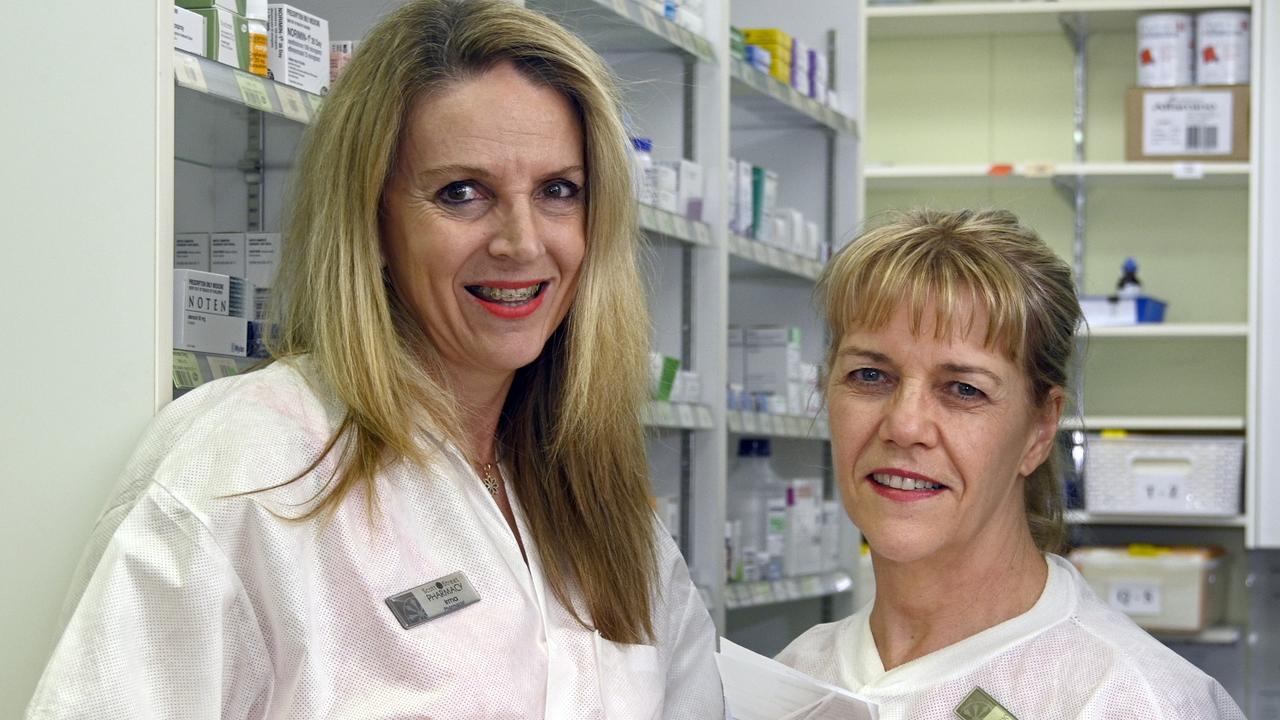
{"x": 226, "y": 37}
{"x": 239, "y": 7}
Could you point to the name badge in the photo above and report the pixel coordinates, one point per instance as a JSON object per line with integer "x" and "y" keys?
{"x": 981, "y": 706}
{"x": 430, "y": 600}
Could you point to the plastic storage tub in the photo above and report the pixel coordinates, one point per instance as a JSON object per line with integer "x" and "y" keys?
{"x": 1163, "y": 474}
{"x": 1167, "y": 589}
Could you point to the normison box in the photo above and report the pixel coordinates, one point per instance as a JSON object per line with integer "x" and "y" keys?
{"x": 1169, "y": 589}
{"x": 1163, "y": 474}
{"x": 1187, "y": 124}
{"x": 240, "y": 7}
{"x": 299, "y": 52}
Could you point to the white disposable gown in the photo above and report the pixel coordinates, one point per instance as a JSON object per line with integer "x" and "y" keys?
{"x": 198, "y": 603}
{"x": 1069, "y": 656}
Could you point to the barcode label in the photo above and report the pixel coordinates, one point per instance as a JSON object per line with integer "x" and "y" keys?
{"x": 1202, "y": 137}
{"x": 1187, "y": 123}
{"x": 186, "y": 371}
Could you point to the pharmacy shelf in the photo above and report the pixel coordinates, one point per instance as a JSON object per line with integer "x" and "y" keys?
{"x": 768, "y": 592}
{"x": 663, "y": 224}
{"x": 240, "y": 88}
{"x": 1085, "y": 517}
{"x": 758, "y": 257}
{"x": 745, "y": 422}
{"x": 1170, "y": 330}
{"x": 1216, "y": 635}
{"x": 1227, "y": 423}
{"x": 1136, "y": 174}
{"x": 678, "y": 416}
{"x": 1033, "y": 16}
{"x": 193, "y": 369}
{"x": 625, "y": 25}
{"x": 772, "y": 102}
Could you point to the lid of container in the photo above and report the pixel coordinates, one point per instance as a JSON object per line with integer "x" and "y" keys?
{"x": 255, "y": 10}
{"x": 754, "y": 447}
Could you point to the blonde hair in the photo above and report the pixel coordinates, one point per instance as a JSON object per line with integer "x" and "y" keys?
{"x": 570, "y": 429}
{"x": 960, "y": 260}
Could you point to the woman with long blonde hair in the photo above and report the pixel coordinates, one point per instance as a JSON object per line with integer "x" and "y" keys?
{"x": 434, "y": 502}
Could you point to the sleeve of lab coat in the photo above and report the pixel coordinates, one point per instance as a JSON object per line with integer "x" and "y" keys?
{"x": 693, "y": 681}
{"x": 164, "y": 629}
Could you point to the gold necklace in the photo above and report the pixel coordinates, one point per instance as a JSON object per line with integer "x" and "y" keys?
{"x": 489, "y": 474}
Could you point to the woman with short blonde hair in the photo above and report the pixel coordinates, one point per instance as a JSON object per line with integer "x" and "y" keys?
{"x": 435, "y": 499}
{"x": 946, "y": 375}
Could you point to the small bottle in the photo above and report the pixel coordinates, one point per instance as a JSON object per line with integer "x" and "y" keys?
{"x": 256, "y": 18}
{"x": 1129, "y": 286}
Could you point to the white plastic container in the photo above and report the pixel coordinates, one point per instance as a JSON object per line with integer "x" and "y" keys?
{"x": 1163, "y": 474}
{"x": 1163, "y": 589}
{"x": 642, "y": 159}
{"x": 1222, "y": 47}
{"x": 1166, "y": 50}
{"x": 759, "y": 501}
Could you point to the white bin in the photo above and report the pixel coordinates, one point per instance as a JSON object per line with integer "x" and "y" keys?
{"x": 1163, "y": 589}
{"x": 1163, "y": 474}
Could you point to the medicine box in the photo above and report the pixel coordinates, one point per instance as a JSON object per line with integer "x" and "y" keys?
{"x": 746, "y": 203}
{"x": 737, "y": 356}
{"x": 210, "y": 313}
{"x": 188, "y": 31}
{"x": 299, "y": 54}
{"x": 832, "y": 516}
{"x": 227, "y": 254}
{"x": 764, "y": 199}
{"x": 1163, "y": 474}
{"x": 340, "y": 52}
{"x": 1169, "y": 589}
{"x": 1192, "y": 124}
{"x": 689, "y": 188}
{"x": 262, "y": 258}
{"x": 772, "y": 360}
{"x": 239, "y": 7}
{"x": 226, "y": 37}
{"x": 191, "y": 251}
{"x": 662, "y": 375}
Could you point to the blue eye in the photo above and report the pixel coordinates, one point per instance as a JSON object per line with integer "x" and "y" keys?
{"x": 867, "y": 375}
{"x": 965, "y": 390}
{"x": 457, "y": 193}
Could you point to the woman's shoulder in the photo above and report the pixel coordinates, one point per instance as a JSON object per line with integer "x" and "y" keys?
{"x": 237, "y": 434}
{"x": 1134, "y": 668}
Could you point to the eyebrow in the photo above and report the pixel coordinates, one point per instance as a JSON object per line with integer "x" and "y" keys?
{"x": 957, "y": 368}
{"x": 479, "y": 172}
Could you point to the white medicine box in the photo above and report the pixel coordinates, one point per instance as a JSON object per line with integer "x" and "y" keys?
{"x": 188, "y": 31}
{"x": 1168, "y": 589}
{"x": 299, "y": 48}
{"x": 210, "y": 312}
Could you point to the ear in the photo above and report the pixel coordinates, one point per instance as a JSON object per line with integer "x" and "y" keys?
{"x": 1044, "y": 431}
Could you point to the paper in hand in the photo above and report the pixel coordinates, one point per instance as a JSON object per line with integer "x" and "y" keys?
{"x": 758, "y": 688}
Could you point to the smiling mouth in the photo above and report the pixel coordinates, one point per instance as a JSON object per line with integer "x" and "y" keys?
{"x": 511, "y": 297}
{"x": 898, "y": 482}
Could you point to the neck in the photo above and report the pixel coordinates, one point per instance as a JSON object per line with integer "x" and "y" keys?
{"x": 921, "y": 607}
{"x": 480, "y": 397}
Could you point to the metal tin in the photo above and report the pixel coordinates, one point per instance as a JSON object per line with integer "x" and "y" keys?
{"x": 1222, "y": 47}
{"x": 1166, "y": 49}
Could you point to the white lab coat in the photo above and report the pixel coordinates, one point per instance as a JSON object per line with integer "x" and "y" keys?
{"x": 200, "y": 605}
{"x": 1069, "y": 656}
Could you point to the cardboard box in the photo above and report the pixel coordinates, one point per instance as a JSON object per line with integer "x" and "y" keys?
{"x": 209, "y": 313}
{"x": 226, "y": 37}
{"x": 764, "y": 200}
{"x": 227, "y": 254}
{"x": 219, "y": 334}
{"x": 262, "y": 258}
{"x": 772, "y": 360}
{"x": 689, "y": 188}
{"x": 737, "y": 356}
{"x": 188, "y": 31}
{"x": 746, "y": 203}
{"x": 239, "y": 7}
{"x": 1192, "y": 124}
{"x": 299, "y": 54}
{"x": 191, "y": 251}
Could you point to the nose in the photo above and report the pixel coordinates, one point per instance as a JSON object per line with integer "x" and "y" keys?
{"x": 517, "y": 237}
{"x": 908, "y": 420}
